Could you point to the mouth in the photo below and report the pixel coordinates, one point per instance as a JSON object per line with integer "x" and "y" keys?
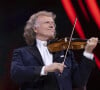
{"x": 53, "y": 30}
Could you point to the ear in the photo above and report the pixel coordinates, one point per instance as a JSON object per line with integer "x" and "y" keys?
{"x": 34, "y": 29}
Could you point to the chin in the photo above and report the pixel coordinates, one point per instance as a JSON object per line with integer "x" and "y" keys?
{"x": 52, "y": 37}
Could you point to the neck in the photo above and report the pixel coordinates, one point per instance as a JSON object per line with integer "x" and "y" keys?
{"x": 42, "y": 38}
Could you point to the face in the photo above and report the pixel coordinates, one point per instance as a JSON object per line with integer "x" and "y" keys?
{"x": 45, "y": 28}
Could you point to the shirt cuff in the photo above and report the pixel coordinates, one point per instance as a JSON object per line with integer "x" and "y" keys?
{"x": 42, "y": 71}
{"x": 88, "y": 55}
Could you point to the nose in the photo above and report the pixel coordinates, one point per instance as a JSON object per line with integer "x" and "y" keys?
{"x": 52, "y": 25}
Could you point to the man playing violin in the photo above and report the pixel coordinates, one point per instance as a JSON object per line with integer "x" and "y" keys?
{"x": 34, "y": 68}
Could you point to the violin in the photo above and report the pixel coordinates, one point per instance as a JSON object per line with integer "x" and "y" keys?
{"x": 62, "y": 44}
{"x": 66, "y": 44}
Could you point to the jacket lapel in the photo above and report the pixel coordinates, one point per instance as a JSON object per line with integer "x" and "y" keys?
{"x": 35, "y": 52}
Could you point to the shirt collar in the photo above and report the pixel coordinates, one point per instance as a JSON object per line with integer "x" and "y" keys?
{"x": 41, "y": 43}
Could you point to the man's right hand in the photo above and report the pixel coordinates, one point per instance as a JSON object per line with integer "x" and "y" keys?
{"x": 54, "y": 67}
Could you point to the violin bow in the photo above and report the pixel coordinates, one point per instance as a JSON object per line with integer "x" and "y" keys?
{"x": 70, "y": 39}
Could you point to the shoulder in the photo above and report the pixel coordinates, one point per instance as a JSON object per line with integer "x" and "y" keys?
{"x": 20, "y": 49}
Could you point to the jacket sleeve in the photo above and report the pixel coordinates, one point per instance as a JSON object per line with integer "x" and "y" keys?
{"x": 81, "y": 71}
{"x": 21, "y": 73}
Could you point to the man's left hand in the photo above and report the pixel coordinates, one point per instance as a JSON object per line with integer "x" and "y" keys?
{"x": 91, "y": 44}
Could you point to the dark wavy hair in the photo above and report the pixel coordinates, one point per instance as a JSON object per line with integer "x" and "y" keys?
{"x": 29, "y": 33}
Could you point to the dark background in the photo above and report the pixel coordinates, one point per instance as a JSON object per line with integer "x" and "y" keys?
{"x": 13, "y": 16}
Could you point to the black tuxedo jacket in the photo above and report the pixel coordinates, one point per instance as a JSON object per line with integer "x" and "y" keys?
{"x": 27, "y": 64}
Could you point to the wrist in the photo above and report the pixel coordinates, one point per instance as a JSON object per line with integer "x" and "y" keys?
{"x": 88, "y": 49}
{"x": 46, "y": 69}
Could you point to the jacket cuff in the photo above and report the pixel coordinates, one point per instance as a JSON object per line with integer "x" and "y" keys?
{"x": 88, "y": 55}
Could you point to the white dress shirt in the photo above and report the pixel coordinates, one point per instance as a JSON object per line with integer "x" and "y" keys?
{"x": 47, "y": 57}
